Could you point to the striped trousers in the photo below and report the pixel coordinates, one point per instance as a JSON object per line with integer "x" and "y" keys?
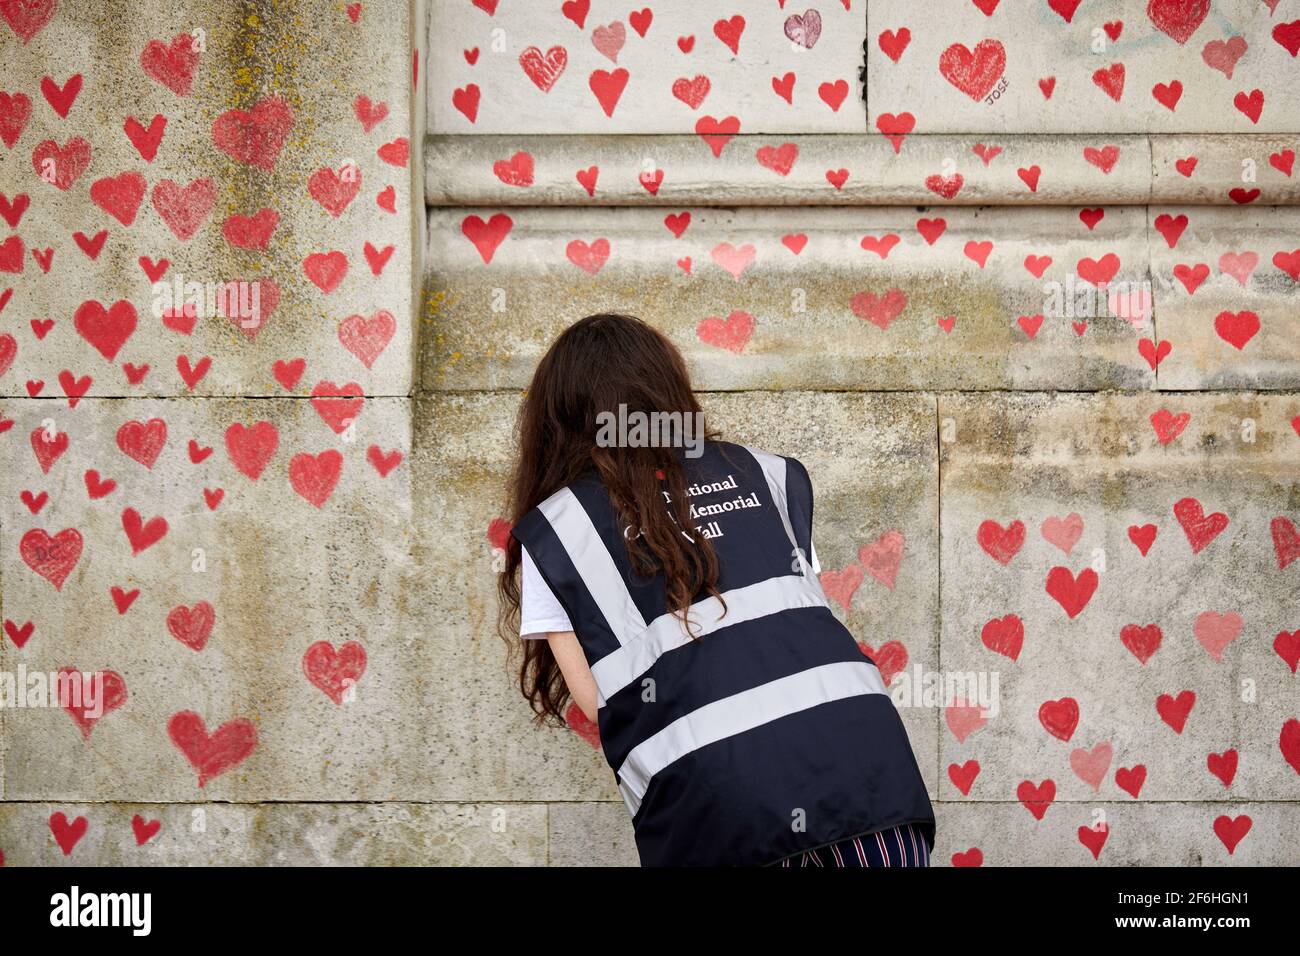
{"x": 899, "y": 846}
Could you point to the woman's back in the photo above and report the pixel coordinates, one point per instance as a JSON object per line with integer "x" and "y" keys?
{"x": 758, "y": 728}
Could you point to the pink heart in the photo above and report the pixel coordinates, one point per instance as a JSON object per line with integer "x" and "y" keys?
{"x": 1063, "y": 532}
{"x": 1223, "y": 55}
{"x": 1239, "y": 265}
{"x": 804, "y": 30}
{"x": 609, "y": 40}
{"x": 1090, "y": 766}
{"x": 1216, "y": 631}
{"x": 964, "y": 719}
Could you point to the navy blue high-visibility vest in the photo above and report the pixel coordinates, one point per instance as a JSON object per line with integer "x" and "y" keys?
{"x": 767, "y": 733}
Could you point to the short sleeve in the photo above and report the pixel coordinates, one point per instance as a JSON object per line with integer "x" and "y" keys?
{"x": 540, "y": 611}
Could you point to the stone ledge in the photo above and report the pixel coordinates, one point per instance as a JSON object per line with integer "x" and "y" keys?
{"x": 860, "y": 169}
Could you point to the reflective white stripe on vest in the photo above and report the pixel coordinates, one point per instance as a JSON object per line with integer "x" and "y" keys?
{"x": 741, "y": 712}
{"x": 586, "y": 549}
{"x": 774, "y": 471}
{"x": 616, "y": 670}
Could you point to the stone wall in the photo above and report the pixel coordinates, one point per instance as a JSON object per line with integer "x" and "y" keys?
{"x": 1089, "y": 498}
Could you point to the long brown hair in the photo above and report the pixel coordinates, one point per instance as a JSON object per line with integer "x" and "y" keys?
{"x": 595, "y": 365}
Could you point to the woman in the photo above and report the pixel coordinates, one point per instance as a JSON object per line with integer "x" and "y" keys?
{"x": 672, "y": 593}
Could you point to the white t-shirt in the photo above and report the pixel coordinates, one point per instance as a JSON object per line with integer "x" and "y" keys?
{"x": 540, "y": 612}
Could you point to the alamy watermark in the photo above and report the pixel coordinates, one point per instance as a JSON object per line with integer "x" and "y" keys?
{"x": 237, "y": 300}
{"x": 636, "y": 429}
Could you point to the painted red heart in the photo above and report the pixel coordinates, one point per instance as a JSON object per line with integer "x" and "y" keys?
{"x": 119, "y": 196}
{"x": 880, "y": 310}
{"x": 544, "y": 69}
{"x": 172, "y": 64}
{"x": 377, "y": 258}
{"x": 1171, "y": 227}
{"x": 841, "y": 585}
{"x": 1001, "y": 544}
{"x": 883, "y": 557}
{"x": 1060, "y": 717}
{"x": 890, "y": 658}
{"x": 61, "y": 166}
{"x": 192, "y": 626}
{"x": 1131, "y": 779}
{"x": 895, "y": 127}
{"x": 1142, "y": 641}
{"x": 1174, "y": 711}
{"x": 184, "y": 208}
{"x": 1223, "y": 766}
{"x": 1110, "y": 80}
{"x": 383, "y": 462}
{"x": 608, "y": 87}
{"x": 779, "y": 159}
{"x": 255, "y": 137}
{"x": 337, "y": 405}
{"x": 1191, "y": 276}
{"x": 53, "y": 558}
{"x": 732, "y": 333}
{"x": 334, "y": 672}
{"x": 931, "y": 229}
{"x": 212, "y": 754}
{"x": 367, "y": 338}
{"x": 1289, "y": 743}
{"x": 466, "y": 99}
{"x": 963, "y": 775}
{"x": 1036, "y": 798}
{"x": 1232, "y": 830}
{"x": 144, "y": 830}
{"x": 1178, "y": 19}
{"x": 334, "y": 190}
{"x": 325, "y": 269}
{"x": 61, "y": 98}
{"x": 1199, "y": 527}
{"x": 974, "y": 72}
{"x": 1237, "y": 328}
{"x": 251, "y": 449}
{"x": 1287, "y": 646}
{"x": 96, "y": 487}
{"x": 88, "y": 698}
{"x": 122, "y": 600}
{"x": 15, "y": 111}
{"x": 314, "y": 477}
{"x": 1168, "y": 94}
{"x": 367, "y": 113}
{"x": 487, "y": 236}
{"x": 1071, "y": 592}
{"x": 1099, "y": 272}
{"x": 1167, "y": 425}
{"x": 288, "y": 373}
{"x": 142, "y": 534}
{"x": 251, "y": 232}
{"x": 66, "y": 835}
{"x": 145, "y": 139}
{"x": 1286, "y": 542}
{"x": 143, "y": 441}
{"x": 1094, "y": 838}
{"x": 589, "y": 257}
{"x": 19, "y": 635}
{"x": 894, "y": 42}
{"x": 1005, "y": 636}
{"x": 105, "y": 329}
{"x": 1250, "y": 104}
{"x": 1288, "y": 36}
{"x": 1104, "y": 158}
